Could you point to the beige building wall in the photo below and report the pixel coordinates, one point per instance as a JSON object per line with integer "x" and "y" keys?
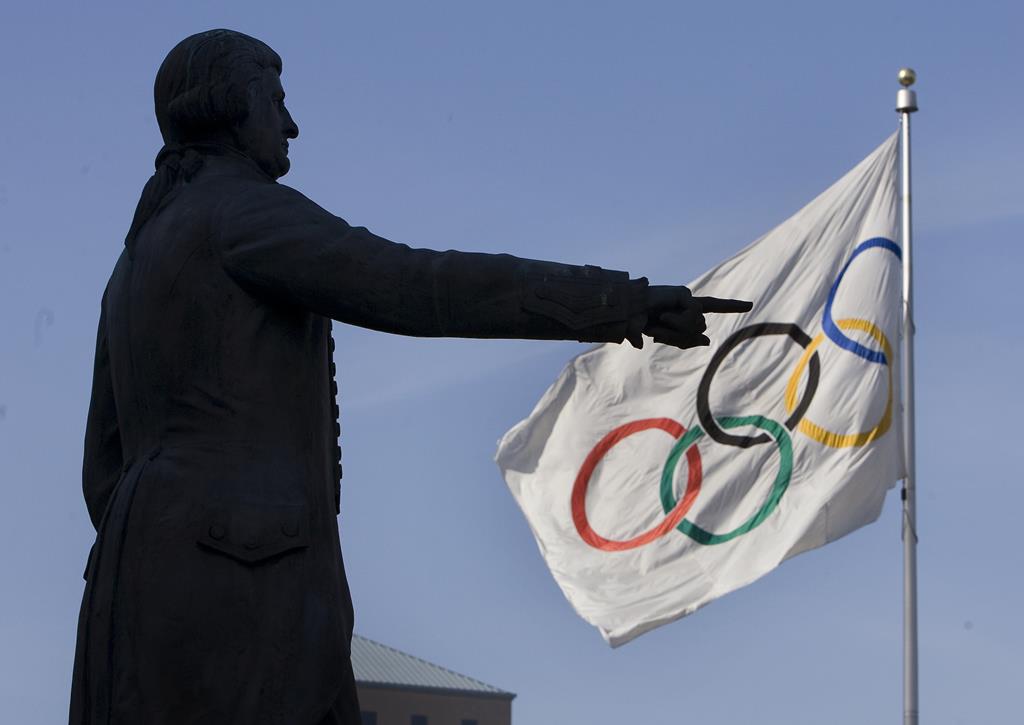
{"x": 395, "y": 706}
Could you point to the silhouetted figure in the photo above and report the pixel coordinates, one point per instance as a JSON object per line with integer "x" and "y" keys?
{"x": 216, "y": 591}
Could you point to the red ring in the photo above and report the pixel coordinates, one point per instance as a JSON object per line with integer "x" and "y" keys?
{"x": 677, "y": 514}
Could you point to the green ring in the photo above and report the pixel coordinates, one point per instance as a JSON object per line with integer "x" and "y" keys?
{"x": 782, "y": 440}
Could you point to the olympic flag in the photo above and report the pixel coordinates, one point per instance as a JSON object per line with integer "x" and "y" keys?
{"x": 657, "y": 480}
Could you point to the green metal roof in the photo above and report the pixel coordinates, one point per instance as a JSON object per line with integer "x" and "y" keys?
{"x": 379, "y": 665}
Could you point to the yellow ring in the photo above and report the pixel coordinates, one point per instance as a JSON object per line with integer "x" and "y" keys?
{"x": 815, "y": 431}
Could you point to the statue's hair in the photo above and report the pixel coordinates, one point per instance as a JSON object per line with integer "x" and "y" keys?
{"x": 203, "y": 86}
{"x": 204, "y": 82}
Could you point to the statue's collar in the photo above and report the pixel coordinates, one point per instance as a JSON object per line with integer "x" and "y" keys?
{"x": 224, "y": 155}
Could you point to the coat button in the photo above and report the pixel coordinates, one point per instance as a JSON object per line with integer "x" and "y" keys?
{"x": 252, "y": 544}
{"x": 217, "y": 532}
{"x": 334, "y": 388}
{"x": 337, "y": 429}
{"x": 290, "y": 528}
{"x": 330, "y": 344}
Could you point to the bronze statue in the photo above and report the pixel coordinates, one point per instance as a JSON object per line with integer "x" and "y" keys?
{"x": 216, "y": 592}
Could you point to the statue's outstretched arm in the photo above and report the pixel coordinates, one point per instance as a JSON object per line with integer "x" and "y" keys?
{"x": 279, "y": 245}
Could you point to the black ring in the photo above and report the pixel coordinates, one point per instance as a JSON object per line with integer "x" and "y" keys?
{"x": 707, "y": 420}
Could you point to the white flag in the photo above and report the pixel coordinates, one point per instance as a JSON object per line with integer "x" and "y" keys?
{"x": 657, "y": 480}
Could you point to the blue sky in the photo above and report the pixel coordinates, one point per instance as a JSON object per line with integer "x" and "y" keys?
{"x": 656, "y": 137}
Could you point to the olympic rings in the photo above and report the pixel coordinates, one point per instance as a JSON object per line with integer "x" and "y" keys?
{"x": 830, "y": 328}
{"x": 800, "y": 337}
{"x": 841, "y": 440}
{"x": 675, "y": 513}
{"x": 686, "y": 443}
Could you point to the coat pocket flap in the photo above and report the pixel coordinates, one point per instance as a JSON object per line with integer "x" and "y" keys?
{"x": 252, "y": 532}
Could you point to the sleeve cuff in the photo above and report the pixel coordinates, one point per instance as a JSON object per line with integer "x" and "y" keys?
{"x": 594, "y": 304}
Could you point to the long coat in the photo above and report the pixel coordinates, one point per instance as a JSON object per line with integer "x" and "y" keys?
{"x": 215, "y": 591}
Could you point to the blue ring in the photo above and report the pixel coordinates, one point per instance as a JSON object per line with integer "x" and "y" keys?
{"x": 829, "y": 326}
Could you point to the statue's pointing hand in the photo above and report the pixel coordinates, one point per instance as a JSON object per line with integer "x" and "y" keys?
{"x": 673, "y": 316}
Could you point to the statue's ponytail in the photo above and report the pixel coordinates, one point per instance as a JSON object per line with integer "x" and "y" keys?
{"x": 174, "y": 163}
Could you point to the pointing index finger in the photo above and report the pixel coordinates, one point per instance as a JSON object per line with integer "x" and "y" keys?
{"x": 716, "y": 304}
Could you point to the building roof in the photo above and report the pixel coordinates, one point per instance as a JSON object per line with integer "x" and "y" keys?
{"x": 381, "y": 666}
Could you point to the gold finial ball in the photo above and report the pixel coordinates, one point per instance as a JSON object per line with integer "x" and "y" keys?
{"x": 907, "y": 77}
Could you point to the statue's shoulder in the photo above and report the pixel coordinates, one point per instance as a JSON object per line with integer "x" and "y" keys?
{"x": 239, "y": 196}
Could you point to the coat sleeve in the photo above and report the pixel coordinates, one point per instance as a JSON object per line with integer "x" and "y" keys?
{"x": 102, "y": 461}
{"x": 280, "y": 246}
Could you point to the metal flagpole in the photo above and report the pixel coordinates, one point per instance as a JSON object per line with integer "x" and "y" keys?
{"x": 906, "y": 103}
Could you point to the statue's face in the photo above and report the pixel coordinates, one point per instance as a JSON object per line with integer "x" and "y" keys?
{"x": 265, "y": 132}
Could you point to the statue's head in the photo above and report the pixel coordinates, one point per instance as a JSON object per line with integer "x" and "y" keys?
{"x": 225, "y": 87}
